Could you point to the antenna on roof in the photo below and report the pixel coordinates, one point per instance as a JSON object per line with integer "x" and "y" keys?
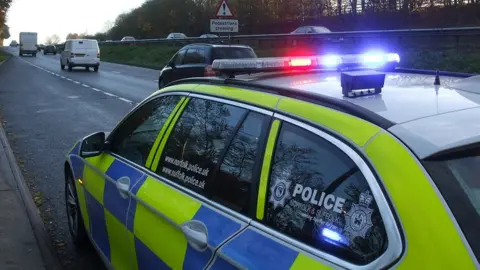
{"x": 437, "y": 79}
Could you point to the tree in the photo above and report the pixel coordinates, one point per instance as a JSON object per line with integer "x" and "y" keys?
{"x": 5, "y": 33}
{"x": 53, "y": 39}
{"x": 72, "y": 36}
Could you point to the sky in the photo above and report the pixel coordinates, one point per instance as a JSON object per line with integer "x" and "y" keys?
{"x": 48, "y": 17}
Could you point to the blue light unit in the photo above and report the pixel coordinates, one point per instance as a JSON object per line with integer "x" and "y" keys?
{"x": 362, "y": 83}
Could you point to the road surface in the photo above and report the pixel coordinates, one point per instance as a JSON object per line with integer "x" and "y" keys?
{"x": 46, "y": 110}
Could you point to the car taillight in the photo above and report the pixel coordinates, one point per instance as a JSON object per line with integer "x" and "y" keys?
{"x": 98, "y": 55}
{"x": 209, "y": 72}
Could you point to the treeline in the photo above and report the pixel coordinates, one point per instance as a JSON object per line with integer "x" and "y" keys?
{"x": 158, "y": 18}
{"x": 4, "y": 7}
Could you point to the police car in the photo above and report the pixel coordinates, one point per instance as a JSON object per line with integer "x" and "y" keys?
{"x": 287, "y": 163}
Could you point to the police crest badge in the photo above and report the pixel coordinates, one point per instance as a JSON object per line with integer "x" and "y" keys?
{"x": 279, "y": 192}
{"x": 359, "y": 219}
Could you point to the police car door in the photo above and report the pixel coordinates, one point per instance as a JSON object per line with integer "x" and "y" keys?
{"x": 202, "y": 189}
{"x": 318, "y": 207}
{"x": 118, "y": 171}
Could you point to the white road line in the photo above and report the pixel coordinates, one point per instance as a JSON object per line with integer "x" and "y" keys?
{"x": 108, "y": 94}
{"x": 124, "y": 99}
{"x": 85, "y": 85}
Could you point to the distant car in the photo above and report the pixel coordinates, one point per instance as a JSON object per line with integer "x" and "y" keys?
{"x": 176, "y": 36}
{"x": 14, "y": 43}
{"x": 195, "y": 60}
{"x": 50, "y": 49}
{"x": 213, "y": 37}
{"x": 311, "y": 30}
{"x": 208, "y": 36}
{"x": 128, "y": 38}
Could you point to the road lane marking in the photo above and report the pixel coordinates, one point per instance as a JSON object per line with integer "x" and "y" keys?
{"x": 124, "y": 99}
{"x": 117, "y": 72}
{"x": 109, "y": 94}
{"x": 84, "y": 85}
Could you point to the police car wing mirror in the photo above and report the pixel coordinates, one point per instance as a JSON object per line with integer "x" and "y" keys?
{"x": 92, "y": 145}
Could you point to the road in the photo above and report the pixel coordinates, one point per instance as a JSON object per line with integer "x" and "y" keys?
{"x": 45, "y": 110}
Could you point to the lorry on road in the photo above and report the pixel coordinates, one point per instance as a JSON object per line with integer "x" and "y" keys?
{"x": 28, "y": 43}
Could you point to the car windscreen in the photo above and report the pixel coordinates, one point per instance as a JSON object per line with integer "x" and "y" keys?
{"x": 456, "y": 173}
{"x": 233, "y": 53}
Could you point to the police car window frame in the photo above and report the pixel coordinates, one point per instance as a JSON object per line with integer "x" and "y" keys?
{"x": 395, "y": 245}
{"x": 201, "y": 198}
{"x": 217, "y": 206}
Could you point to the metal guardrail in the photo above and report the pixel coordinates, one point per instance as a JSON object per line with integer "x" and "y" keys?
{"x": 340, "y": 36}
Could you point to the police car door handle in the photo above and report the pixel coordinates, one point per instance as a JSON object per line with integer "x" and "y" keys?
{"x": 123, "y": 186}
{"x": 196, "y": 234}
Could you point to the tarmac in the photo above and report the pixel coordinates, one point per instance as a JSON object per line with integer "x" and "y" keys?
{"x": 24, "y": 241}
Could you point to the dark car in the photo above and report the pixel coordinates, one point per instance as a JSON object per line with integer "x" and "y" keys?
{"x": 50, "y": 49}
{"x": 195, "y": 60}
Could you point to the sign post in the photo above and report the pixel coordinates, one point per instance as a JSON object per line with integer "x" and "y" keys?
{"x": 224, "y": 22}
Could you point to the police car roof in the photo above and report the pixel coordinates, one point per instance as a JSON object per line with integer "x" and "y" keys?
{"x": 426, "y": 117}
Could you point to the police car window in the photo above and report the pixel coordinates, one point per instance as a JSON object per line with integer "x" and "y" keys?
{"x": 178, "y": 60}
{"x": 233, "y": 181}
{"x": 318, "y": 196}
{"x": 456, "y": 175}
{"x": 137, "y": 134}
{"x": 194, "y": 148}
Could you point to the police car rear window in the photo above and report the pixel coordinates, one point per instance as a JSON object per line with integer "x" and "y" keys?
{"x": 318, "y": 196}
{"x": 457, "y": 176}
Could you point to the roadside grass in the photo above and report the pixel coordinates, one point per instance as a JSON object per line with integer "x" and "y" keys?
{"x": 154, "y": 56}
{"x": 3, "y": 55}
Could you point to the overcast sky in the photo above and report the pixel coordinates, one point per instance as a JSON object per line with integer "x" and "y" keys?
{"x": 48, "y": 17}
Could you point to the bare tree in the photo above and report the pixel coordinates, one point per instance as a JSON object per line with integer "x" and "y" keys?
{"x": 53, "y": 39}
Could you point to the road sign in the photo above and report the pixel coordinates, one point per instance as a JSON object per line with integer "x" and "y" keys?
{"x": 224, "y": 10}
{"x": 223, "y": 26}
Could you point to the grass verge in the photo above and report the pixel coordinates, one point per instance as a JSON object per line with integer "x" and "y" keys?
{"x": 155, "y": 56}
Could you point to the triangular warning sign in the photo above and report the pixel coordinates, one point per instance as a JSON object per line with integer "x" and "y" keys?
{"x": 224, "y": 10}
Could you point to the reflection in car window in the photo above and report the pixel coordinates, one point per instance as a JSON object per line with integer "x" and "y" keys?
{"x": 137, "y": 134}
{"x": 457, "y": 176}
{"x": 194, "y": 147}
{"x": 319, "y": 196}
{"x": 234, "y": 178}
{"x": 179, "y": 58}
{"x": 195, "y": 56}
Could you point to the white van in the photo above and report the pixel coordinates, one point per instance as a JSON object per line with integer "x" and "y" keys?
{"x": 28, "y": 43}
{"x": 80, "y": 53}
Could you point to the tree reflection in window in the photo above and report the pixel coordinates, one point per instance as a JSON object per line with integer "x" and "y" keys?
{"x": 135, "y": 137}
{"x": 194, "y": 147}
{"x": 234, "y": 178}
{"x": 346, "y": 223}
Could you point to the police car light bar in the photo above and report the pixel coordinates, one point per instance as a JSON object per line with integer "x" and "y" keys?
{"x": 328, "y": 62}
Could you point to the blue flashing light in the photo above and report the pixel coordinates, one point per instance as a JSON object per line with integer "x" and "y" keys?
{"x": 331, "y": 234}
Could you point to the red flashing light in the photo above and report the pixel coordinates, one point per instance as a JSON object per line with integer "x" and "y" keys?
{"x": 300, "y": 62}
